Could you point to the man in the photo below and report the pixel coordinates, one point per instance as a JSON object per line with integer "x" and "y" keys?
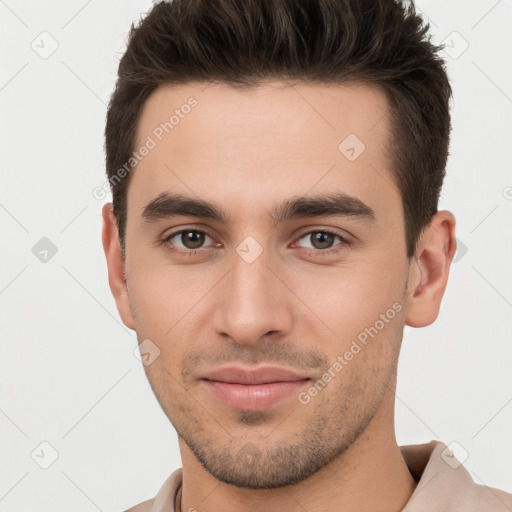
{"x": 276, "y": 168}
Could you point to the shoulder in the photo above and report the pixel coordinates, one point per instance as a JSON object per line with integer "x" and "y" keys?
{"x": 443, "y": 483}
{"x": 490, "y": 498}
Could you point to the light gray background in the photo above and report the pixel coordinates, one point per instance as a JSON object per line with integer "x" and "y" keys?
{"x": 68, "y": 373}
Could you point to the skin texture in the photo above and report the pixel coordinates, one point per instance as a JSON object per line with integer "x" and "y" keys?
{"x": 247, "y": 151}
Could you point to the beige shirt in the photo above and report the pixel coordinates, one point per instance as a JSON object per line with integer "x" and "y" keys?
{"x": 444, "y": 485}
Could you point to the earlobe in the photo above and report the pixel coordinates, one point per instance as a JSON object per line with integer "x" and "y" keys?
{"x": 116, "y": 265}
{"x": 429, "y": 270}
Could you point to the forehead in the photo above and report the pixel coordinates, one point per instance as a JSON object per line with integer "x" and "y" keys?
{"x": 253, "y": 147}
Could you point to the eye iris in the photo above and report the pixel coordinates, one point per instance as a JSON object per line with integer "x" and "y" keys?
{"x": 192, "y": 239}
{"x": 324, "y": 239}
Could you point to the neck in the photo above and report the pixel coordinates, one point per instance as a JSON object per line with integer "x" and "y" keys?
{"x": 370, "y": 474}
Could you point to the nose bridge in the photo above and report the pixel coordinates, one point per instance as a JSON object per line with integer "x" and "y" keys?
{"x": 253, "y": 300}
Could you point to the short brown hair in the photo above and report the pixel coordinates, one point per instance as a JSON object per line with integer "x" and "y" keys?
{"x": 243, "y": 42}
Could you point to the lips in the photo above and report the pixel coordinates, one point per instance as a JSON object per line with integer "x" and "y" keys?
{"x": 255, "y": 390}
{"x": 237, "y": 375}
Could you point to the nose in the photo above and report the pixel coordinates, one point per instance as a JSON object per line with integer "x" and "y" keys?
{"x": 253, "y": 302}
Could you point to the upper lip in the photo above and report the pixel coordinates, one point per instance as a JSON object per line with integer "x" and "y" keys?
{"x": 239, "y": 375}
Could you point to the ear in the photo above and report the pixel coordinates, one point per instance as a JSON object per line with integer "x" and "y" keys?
{"x": 115, "y": 264}
{"x": 429, "y": 269}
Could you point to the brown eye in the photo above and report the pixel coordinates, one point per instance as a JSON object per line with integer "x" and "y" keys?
{"x": 187, "y": 240}
{"x": 192, "y": 239}
{"x": 322, "y": 242}
{"x": 322, "y": 239}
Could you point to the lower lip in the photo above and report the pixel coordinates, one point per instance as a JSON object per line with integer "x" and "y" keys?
{"x": 254, "y": 397}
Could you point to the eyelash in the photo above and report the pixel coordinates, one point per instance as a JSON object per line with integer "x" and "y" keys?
{"x": 315, "y": 252}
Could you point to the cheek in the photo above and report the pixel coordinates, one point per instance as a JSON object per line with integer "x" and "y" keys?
{"x": 364, "y": 310}
{"x": 351, "y": 298}
{"x": 167, "y": 301}
{"x": 163, "y": 294}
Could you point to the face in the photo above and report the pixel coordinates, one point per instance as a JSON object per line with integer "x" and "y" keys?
{"x": 266, "y": 262}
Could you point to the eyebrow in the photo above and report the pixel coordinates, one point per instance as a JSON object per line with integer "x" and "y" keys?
{"x": 167, "y": 206}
